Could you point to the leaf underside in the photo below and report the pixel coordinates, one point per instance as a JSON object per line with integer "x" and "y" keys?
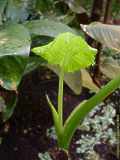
{"x": 108, "y": 35}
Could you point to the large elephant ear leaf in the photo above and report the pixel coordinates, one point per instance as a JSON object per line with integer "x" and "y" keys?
{"x": 11, "y": 71}
{"x": 68, "y": 51}
{"x": 108, "y": 35}
{"x": 14, "y": 40}
{"x": 46, "y": 27}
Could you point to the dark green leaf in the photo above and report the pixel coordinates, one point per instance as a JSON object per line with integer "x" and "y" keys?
{"x": 47, "y": 27}
{"x": 11, "y": 71}
{"x": 14, "y": 40}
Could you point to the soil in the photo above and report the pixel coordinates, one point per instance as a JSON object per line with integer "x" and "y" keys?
{"x": 24, "y": 134}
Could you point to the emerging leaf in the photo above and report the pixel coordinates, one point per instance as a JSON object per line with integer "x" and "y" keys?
{"x": 68, "y": 51}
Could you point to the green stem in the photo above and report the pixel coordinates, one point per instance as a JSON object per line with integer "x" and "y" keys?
{"x": 60, "y": 97}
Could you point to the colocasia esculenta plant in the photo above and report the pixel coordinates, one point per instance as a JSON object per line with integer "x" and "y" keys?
{"x": 71, "y": 53}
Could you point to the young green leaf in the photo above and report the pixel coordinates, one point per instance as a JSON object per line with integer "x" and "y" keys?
{"x": 55, "y": 119}
{"x": 69, "y": 51}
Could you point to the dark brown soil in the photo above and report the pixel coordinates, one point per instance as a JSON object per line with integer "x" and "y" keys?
{"x": 24, "y": 134}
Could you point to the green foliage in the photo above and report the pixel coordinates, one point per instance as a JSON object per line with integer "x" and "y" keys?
{"x": 68, "y": 51}
{"x": 14, "y": 40}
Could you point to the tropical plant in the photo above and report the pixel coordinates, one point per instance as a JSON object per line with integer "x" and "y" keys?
{"x": 71, "y": 53}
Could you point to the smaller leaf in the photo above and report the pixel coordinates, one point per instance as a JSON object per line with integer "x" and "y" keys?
{"x": 55, "y": 117}
{"x": 68, "y": 51}
{"x": 73, "y": 80}
{"x": 108, "y": 35}
{"x": 109, "y": 67}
